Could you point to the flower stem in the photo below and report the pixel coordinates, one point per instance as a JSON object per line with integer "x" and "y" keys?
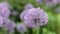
{"x": 36, "y": 30}
{"x": 58, "y": 24}
{"x": 41, "y": 30}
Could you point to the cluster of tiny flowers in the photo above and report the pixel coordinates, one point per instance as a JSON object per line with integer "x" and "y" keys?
{"x": 1, "y": 21}
{"x": 52, "y": 3}
{"x": 49, "y": 3}
{"x": 9, "y": 25}
{"x": 4, "y": 9}
{"x": 21, "y": 28}
{"x": 27, "y": 7}
{"x": 34, "y": 17}
{"x": 4, "y": 15}
{"x": 39, "y": 1}
{"x": 4, "y": 12}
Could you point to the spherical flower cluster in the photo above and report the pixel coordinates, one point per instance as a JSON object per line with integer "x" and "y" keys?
{"x": 35, "y": 17}
{"x": 27, "y": 7}
{"x": 4, "y": 15}
{"x": 22, "y": 15}
{"x": 9, "y": 25}
{"x": 1, "y": 21}
{"x": 5, "y": 11}
{"x": 49, "y": 3}
{"x": 21, "y": 28}
{"x": 39, "y": 1}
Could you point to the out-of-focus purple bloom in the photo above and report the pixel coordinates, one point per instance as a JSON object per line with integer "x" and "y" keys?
{"x": 14, "y": 13}
{"x": 39, "y": 1}
{"x": 58, "y": 1}
{"x": 57, "y": 10}
{"x": 21, "y": 28}
{"x": 51, "y": 3}
{"x": 23, "y": 14}
{"x": 5, "y": 11}
{"x": 9, "y": 25}
{"x": 1, "y": 21}
{"x": 5, "y": 4}
{"x": 35, "y": 17}
{"x": 29, "y": 6}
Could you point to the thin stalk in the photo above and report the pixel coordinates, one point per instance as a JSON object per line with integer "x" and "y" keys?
{"x": 58, "y": 24}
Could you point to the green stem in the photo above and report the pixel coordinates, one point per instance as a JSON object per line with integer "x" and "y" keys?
{"x": 22, "y": 33}
{"x": 36, "y": 30}
{"x": 29, "y": 31}
{"x": 41, "y": 30}
{"x": 58, "y": 24}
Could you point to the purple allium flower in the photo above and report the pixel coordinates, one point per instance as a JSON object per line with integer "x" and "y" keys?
{"x": 23, "y": 14}
{"x": 5, "y": 4}
{"x": 1, "y": 21}
{"x": 29, "y": 6}
{"x": 21, "y": 28}
{"x": 9, "y": 25}
{"x": 51, "y": 3}
{"x": 57, "y": 10}
{"x": 35, "y": 17}
{"x": 5, "y": 11}
{"x": 14, "y": 13}
{"x": 39, "y": 1}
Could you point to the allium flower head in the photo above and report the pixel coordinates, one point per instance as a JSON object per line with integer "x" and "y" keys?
{"x": 39, "y": 1}
{"x": 1, "y": 21}
{"x": 29, "y": 6}
{"x": 5, "y": 4}
{"x": 5, "y": 11}
{"x": 35, "y": 17}
{"x": 51, "y": 3}
{"x": 23, "y": 14}
{"x": 9, "y": 26}
{"x": 21, "y": 28}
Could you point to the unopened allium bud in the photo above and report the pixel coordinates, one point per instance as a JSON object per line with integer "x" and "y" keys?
{"x": 21, "y": 28}
{"x": 1, "y": 21}
{"x": 35, "y": 17}
{"x": 29, "y": 6}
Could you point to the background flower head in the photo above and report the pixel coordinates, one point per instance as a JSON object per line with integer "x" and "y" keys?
{"x": 21, "y": 28}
